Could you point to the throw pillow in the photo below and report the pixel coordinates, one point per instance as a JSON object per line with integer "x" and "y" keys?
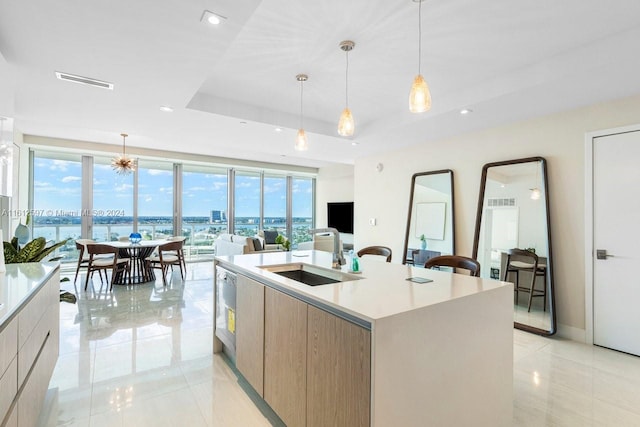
{"x": 257, "y": 245}
{"x": 270, "y": 237}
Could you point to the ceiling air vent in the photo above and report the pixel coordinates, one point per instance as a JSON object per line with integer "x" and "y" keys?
{"x": 498, "y": 203}
{"x": 84, "y": 80}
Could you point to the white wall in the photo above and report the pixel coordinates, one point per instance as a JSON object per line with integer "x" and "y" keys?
{"x": 334, "y": 184}
{"x": 7, "y": 89}
{"x": 558, "y": 137}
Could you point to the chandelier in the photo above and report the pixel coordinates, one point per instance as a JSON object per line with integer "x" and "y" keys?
{"x": 123, "y": 165}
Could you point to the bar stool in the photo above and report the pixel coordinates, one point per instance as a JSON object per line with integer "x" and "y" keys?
{"x": 520, "y": 260}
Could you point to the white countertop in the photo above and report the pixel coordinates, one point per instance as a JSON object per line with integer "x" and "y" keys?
{"x": 19, "y": 282}
{"x": 382, "y": 291}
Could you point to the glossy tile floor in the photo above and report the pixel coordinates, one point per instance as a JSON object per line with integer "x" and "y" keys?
{"x": 141, "y": 356}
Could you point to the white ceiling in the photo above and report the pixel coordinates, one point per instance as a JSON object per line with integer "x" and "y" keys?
{"x": 505, "y": 59}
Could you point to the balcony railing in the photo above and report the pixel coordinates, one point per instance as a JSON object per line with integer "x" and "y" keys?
{"x": 199, "y": 245}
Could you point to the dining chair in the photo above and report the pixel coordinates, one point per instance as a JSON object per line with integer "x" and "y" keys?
{"x": 180, "y": 253}
{"x": 519, "y": 260}
{"x": 83, "y": 256}
{"x": 376, "y": 250}
{"x": 104, "y": 257}
{"x": 169, "y": 254}
{"x": 455, "y": 261}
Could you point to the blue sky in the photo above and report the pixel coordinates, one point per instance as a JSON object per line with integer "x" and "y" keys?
{"x": 58, "y": 183}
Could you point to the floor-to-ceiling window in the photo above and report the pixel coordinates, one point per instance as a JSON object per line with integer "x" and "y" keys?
{"x": 302, "y": 208}
{"x": 57, "y": 199}
{"x": 247, "y": 203}
{"x": 82, "y": 196}
{"x": 204, "y": 206}
{"x": 275, "y": 203}
{"x": 155, "y": 199}
{"x": 112, "y": 202}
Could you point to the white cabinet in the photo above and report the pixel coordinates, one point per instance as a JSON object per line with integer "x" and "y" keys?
{"x": 29, "y": 342}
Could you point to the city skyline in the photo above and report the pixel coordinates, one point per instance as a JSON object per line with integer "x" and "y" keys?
{"x": 58, "y": 188}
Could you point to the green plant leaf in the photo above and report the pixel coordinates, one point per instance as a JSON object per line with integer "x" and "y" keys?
{"x": 46, "y": 251}
{"x": 31, "y": 250}
{"x": 10, "y": 253}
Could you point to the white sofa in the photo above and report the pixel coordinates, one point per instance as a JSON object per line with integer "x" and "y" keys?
{"x": 232, "y": 244}
{"x": 321, "y": 242}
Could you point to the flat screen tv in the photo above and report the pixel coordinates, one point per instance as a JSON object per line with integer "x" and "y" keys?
{"x": 340, "y": 216}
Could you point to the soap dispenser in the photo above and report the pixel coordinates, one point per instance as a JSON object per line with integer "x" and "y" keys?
{"x": 355, "y": 263}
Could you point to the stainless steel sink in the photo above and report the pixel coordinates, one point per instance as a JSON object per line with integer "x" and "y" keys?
{"x": 309, "y": 274}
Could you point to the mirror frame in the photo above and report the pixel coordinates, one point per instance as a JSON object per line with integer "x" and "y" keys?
{"x": 453, "y": 210}
{"x": 550, "y": 261}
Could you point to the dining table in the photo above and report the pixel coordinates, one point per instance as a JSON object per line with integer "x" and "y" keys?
{"x": 137, "y": 253}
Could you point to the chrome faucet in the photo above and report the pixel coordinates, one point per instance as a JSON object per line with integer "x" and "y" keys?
{"x": 338, "y": 259}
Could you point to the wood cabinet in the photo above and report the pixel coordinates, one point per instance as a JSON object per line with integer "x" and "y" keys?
{"x": 312, "y": 367}
{"x": 285, "y": 356}
{"x": 250, "y": 331}
{"x": 338, "y": 371}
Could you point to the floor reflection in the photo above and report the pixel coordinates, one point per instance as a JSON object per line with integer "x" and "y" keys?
{"x": 142, "y": 356}
{"x": 124, "y": 349}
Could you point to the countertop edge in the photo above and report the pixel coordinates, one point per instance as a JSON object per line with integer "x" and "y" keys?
{"x": 9, "y": 316}
{"x": 359, "y": 320}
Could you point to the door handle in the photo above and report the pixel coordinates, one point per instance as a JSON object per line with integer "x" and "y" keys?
{"x": 602, "y": 254}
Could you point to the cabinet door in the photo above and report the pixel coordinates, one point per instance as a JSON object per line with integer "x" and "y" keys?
{"x": 250, "y": 331}
{"x": 285, "y": 358}
{"x": 338, "y": 371}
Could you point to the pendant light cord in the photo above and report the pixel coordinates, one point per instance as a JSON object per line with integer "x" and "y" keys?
{"x": 301, "y": 96}
{"x": 346, "y": 83}
{"x": 124, "y": 144}
{"x": 419, "y": 34}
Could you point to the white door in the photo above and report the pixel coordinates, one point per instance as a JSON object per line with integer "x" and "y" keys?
{"x": 616, "y": 222}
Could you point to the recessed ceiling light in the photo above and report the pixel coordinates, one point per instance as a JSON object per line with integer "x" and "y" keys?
{"x": 166, "y": 109}
{"x": 212, "y": 18}
{"x": 465, "y": 111}
{"x": 278, "y": 129}
{"x": 354, "y": 143}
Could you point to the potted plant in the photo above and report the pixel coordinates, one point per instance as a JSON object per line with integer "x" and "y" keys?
{"x": 35, "y": 251}
{"x": 284, "y": 242}
{"x": 423, "y": 242}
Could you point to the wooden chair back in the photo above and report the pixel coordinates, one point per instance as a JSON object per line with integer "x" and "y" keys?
{"x": 376, "y": 250}
{"x": 455, "y": 261}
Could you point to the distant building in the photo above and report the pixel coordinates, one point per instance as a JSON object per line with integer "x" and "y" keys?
{"x": 217, "y": 217}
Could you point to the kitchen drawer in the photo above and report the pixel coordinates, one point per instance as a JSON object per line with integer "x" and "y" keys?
{"x": 8, "y": 387}
{"x": 31, "y": 314}
{"x": 29, "y": 351}
{"x": 35, "y": 387}
{"x": 8, "y": 345}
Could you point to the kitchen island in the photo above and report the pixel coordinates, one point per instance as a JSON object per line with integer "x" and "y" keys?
{"x": 374, "y": 348}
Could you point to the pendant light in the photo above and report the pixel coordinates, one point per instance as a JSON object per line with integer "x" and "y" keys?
{"x": 420, "y": 97}
{"x": 346, "y": 126}
{"x": 301, "y": 137}
{"x": 123, "y": 165}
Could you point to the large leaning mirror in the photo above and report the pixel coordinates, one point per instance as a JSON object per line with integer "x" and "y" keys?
{"x": 513, "y": 238}
{"x": 430, "y": 229}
